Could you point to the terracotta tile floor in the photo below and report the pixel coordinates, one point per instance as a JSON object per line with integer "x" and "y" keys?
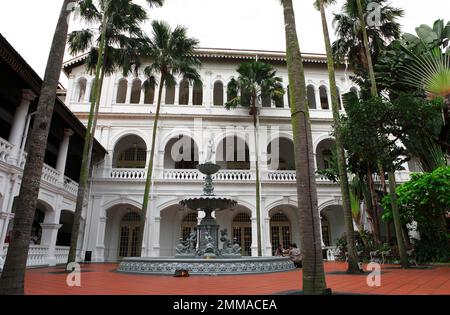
{"x": 101, "y": 279}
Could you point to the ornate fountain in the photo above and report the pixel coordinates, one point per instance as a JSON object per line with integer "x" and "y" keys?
{"x": 200, "y": 252}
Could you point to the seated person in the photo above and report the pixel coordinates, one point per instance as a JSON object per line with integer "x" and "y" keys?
{"x": 279, "y": 251}
{"x": 295, "y": 255}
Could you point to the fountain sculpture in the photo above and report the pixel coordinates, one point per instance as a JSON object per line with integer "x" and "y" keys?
{"x": 199, "y": 253}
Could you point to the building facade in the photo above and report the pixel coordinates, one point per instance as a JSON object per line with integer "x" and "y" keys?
{"x": 193, "y": 115}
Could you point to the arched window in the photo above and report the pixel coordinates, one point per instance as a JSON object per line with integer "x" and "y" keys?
{"x": 122, "y": 91}
{"x": 323, "y": 97}
{"x": 136, "y": 91}
{"x": 170, "y": 94}
{"x": 311, "y": 93}
{"x": 198, "y": 94}
{"x": 265, "y": 99}
{"x": 279, "y": 102}
{"x": 233, "y": 154}
{"x": 230, "y": 95}
{"x": 245, "y": 98}
{"x": 280, "y": 154}
{"x": 218, "y": 94}
{"x": 81, "y": 90}
{"x": 184, "y": 93}
{"x": 149, "y": 96}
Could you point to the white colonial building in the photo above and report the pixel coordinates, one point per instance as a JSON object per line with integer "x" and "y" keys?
{"x": 190, "y": 117}
{"x": 192, "y": 114}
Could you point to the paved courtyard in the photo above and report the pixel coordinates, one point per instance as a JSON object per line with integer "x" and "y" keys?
{"x": 102, "y": 279}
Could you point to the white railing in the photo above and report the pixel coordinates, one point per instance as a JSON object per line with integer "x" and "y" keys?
{"x": 5, "y": 150}
{"x": 61, "y": 254}
{"x": 182, "y": 174}
{"x": 37, "y": 255}
{"x": 50, "y": 175}
{"x": 282, "y": 176}
{"x": 233, "y": 175}
{"x": 70, "y": 186}
{"x": 128, "y": 173}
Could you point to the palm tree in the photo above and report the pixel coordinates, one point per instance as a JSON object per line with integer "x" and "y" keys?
{"x": 391, "y": 170}
{"x": 12, "y": 277}
{"x": 118, "y": 47}
{"x": 353, "y": 33}
{"x": 341, "y": 159}
{"x": 171, "y": 53}
{"x": 309, "y": 219}
{"x": 257, "y": 80}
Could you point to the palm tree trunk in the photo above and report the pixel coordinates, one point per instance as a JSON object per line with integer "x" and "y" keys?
{"x": 149, "y": 170}
{"x": 258, "y": 192}
{"x": 397, "y": 221}
{"x": 12, "y": 277}
{"x": 87, "y": 148}
{"x": 309, "y": 219}
{"x": 342, "y": 164}
{"x": 373, "y": 83}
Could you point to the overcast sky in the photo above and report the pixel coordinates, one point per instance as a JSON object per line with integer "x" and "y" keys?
{"x": 243, "y": 24}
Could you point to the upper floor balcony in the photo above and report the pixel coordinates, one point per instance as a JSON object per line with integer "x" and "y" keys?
{"x": 50, "y": 175}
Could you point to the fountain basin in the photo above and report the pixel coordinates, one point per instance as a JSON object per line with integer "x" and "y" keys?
{"x": 208, "y": 202}
{"x": 198, "y": 266}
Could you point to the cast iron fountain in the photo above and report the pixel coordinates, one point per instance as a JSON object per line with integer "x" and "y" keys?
{"x": 199, "y": 253}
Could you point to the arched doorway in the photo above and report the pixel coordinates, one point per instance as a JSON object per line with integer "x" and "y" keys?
{"x": 65, "y": 231}
{"x": 242, "y": 233}
{"x": 326, "y": 235}
{"x": 130, "y": 152}
{"x": 129, "y": 233}
{"x": 280, "y": 231}
{"x": 324, "y": 154}
{"x": 188, "y": 224}
{"x": 280, "y": 155}
{"x": 233, "y": 153}
{"x": 181, "y": 153}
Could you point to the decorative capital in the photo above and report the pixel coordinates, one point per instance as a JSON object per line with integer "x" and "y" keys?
{"x": 28, "y": 95}
{"x": 68, "y": 133}
{"x": 50, "y": 226}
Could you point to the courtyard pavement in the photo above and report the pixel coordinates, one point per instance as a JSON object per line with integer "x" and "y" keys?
{"x": 101, "y": 279}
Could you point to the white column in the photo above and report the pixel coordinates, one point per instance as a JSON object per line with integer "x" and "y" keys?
{"x": 321, "y": 234}
{"x": 128, "y": 97}
{"x": 225, "y": 94}
{"x": 49, "y": 235}
{"x": 141, "y": 100}
{"x": 317, "y": 95}
{"x": 163, "y": 96}
{"x": 177, "y": 94}
{"x": 329, "y": 98}
{"x": 254, "y": 236}
{"x": 62, "y": 153}
{"x": 156, "y": 234}
{"x": 191, "y": 94}
{"x": 268, "y": 240}
{"x": 18, "y": 125}
{"x": 286, "y": 98}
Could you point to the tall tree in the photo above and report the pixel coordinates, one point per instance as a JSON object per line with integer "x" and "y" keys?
{"x": 259, "y": 81}
{"x": 391, "y": 168}
{"x": 341, "y": 159}
{"x": 118, "y": 47}
{"x": 309, "y": 219}
{"x": 352, "y": 33}
{"x": 12, "y": 277}
{"x": 171, "y": 53}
